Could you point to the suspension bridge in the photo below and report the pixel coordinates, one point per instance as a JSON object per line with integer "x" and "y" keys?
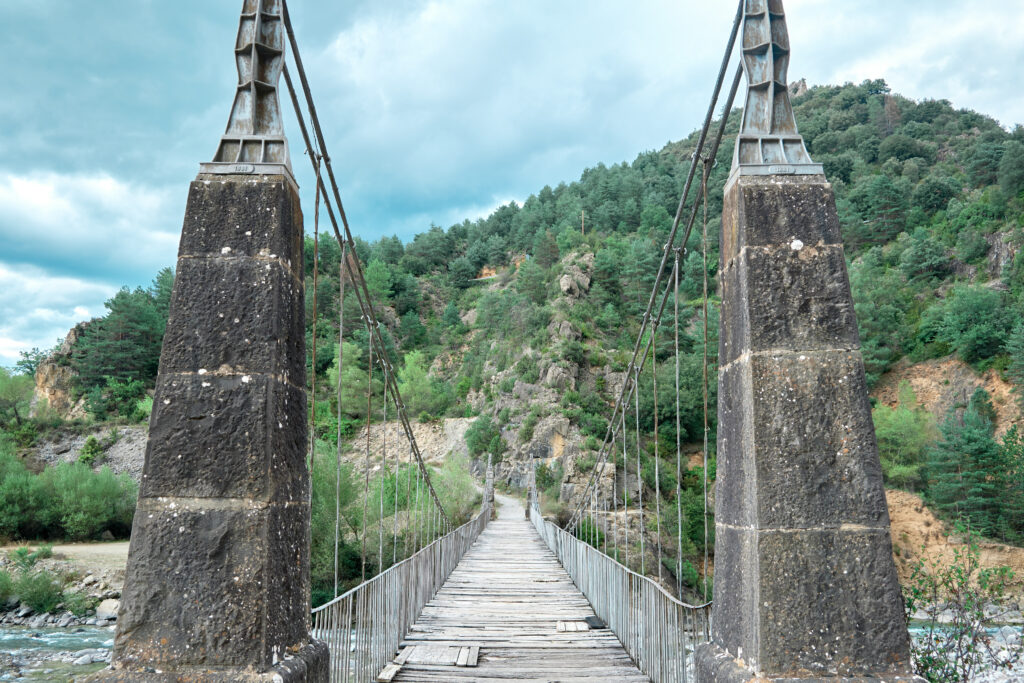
{"x": 217, "y": 585}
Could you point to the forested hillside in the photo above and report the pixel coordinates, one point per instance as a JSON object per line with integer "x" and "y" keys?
{"x": 931, "y": 201}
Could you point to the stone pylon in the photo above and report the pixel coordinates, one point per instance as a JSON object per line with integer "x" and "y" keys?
{"x": 217, "y": 583}
{"x": 805, "y": 584}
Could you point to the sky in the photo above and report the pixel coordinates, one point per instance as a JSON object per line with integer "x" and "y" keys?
{"x": 434, "y": 110}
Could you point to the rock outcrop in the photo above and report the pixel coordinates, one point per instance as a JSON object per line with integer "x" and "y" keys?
{"x": 55, "y": 381}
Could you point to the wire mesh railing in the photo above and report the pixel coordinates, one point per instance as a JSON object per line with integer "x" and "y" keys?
{"x": 364, "y": 627}
{"x": 658, "y": 631}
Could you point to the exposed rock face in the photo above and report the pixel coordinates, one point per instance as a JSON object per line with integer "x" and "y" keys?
{"x": 125, "y": 455}
{"x": 55, "y": 381}
{"x": 1001, "y": 253}
{"x": 945, "y": 383}
{"x": 576, "y": 280}
{"x": 563, "y": 330}
{"x": 559, "y": 377}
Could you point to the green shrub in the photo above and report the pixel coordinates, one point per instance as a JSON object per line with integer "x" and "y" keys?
{"x": 143, "y": 409}
{"x": 529, "y": 424}
{"x": 25, "y": 558}
{"x": 25, "y": 434}
{"x": 91, "y": 452}
{"x": 958, "y": 649}
{"x": 6, "y": 586}
{"x": 39, "y": 590}
{"x": 483, "y": 436}
{"x": 574, "y": 352}
{"x": 689, "y": 575}
{"x": 590, "y": 532}
{"x": 86, "y": 503}
{"x": 528, "y": 370}
{"x": 77, "y": 603}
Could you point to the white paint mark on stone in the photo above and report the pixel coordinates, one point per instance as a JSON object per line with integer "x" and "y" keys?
{"x": 225, "y": 251}
{"x": 246, "y": 379}
{"x": 797, "y": 245}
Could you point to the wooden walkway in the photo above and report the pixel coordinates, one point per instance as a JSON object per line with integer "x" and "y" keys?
{"x": 512, "y": 609}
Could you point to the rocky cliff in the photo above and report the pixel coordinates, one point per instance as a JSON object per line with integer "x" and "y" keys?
{"x": 55, "y": 381}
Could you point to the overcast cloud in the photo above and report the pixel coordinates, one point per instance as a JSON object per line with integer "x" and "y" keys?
{"x": 434, "y": 110}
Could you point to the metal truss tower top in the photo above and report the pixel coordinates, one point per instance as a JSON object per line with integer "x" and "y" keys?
{"x": 768, "y": 142}
{"x": 255, "y": 140}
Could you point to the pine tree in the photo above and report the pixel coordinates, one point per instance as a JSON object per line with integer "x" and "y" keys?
{"x": 1012, "y": 452}
{"x": 124, "y": 345}
{"x": 965, "y": 473}
{"x": 1015, "y": 347}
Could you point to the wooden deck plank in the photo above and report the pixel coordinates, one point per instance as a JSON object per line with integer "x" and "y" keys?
{"x": 516, "y": 612}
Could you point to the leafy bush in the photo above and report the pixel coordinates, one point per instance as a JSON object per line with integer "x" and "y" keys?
{"x": 483, "y": 436}
{"x": 25, "y": 434}
{"x": 904, "y": 434}
{"x": 974, "y": 321}
{"x": 143, "y": 409}
{"x": 77, "y": 603}
{"x": 590, "y": 532}
{"x": 39, "y": 590}
{"x": 960, "y": 649}
{"x": 528, "y": 370}
{"x": 67, "y": 501}
{"x": 529, "y": 424}
{"x": 6, "y": 586}
{"x": 91, "y": 452}
{"x": 25, "y": 558}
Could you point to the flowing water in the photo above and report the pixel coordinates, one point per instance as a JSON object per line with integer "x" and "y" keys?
{"x": 48, "y": 654}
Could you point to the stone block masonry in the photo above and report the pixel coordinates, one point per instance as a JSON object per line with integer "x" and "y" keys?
{"x": 217, "y": 584}
{"x": 805, "y": 585}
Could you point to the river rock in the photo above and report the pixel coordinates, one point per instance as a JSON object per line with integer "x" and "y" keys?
{"x": 107, "y": 609}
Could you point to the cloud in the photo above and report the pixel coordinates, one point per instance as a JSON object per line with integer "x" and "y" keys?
{"x": 966, "y": 53}
{"x": 38, "y": 307}
{"x": 67, "y": 243}
{"x": 88, "y": 225}
{"x": 453, "y": 103}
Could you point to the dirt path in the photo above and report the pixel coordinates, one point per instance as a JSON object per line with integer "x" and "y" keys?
{"x": 90, "y": 557}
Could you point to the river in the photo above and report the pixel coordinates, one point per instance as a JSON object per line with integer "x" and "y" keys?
{"x": 49, "y": 654}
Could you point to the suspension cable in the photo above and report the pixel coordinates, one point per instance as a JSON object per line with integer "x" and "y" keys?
{"x": 366, "y": 484}
{"x": 316, "y": 270}
{"x": 704, "y": 250}
{"x": 361, "y": 288}
{"x": 716, "y": 142}
{"x": 702, "y": 139}
{"x": 382, "y": 480}
{"x": 679, "y": 439}
{"x": 341, "y": 366}
{"x": 657, "y": 457}
{"x": 639, "y": 473}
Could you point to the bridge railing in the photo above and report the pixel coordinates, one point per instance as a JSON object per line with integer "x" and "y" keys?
{"x": 658, "y": 631}
{"x": 364, "y": 627}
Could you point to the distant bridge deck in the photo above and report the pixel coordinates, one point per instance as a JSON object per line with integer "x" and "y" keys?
{"x": 512, "y": 599}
